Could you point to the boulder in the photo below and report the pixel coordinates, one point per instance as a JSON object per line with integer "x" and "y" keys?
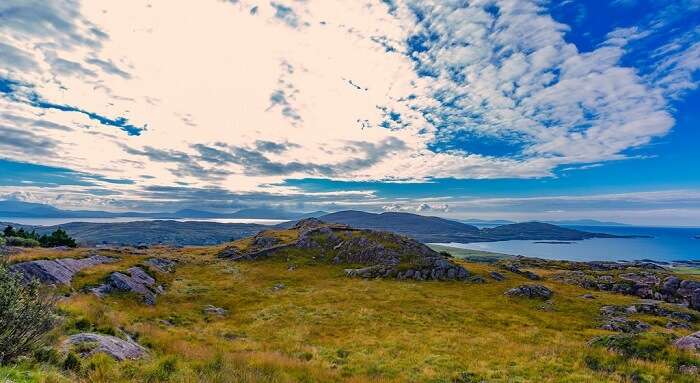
{"x": 161, "y": 264}
{"x": 137, "y": 282}
{"x": 525, "y": 273}
{"x": 213, "y": 310}
{"x": 671, "y": 285}
{"x": 230, "y": 252}
{"x": 497, "y": 276}
{"x": 119, "y": 349}
{"x": 530, "y": 291}
{"x": 689, "y": 342}
{"x": 57, "y": 271}
{"x": 626, "y": 325}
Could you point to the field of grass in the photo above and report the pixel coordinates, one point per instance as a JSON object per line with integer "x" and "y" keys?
{"x": 324, "y": 327}
{"x": 470, "y": 255}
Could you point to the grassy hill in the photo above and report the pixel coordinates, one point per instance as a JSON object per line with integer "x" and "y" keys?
{"x": 295, "y": 317}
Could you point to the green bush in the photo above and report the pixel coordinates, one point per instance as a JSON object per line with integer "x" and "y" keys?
{"x": 27, "y": 314}
{"x": 21, "y": 242}
{"x": 57, "y": 238}
{"x": 72, "y": 363}
{"x": 2, "y": 241}
{"x": 649, "y": 346}
{"x": 25, "y": 238}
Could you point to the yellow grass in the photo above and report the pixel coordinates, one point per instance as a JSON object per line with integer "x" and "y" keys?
{"x": 324, "y": 327}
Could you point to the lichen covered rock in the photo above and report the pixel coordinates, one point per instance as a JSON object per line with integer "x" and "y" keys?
{"x": 530, "y": 291}
{"x": 58, "y": 271}
{"x": 88, "y": 344}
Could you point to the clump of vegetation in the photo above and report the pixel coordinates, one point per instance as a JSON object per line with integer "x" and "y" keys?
{"x": 23, "y": 238}
{"x": 27, "y": 314}
{"x": 651, "y": 346}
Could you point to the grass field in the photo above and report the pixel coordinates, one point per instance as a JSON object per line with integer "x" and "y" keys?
{"x": 324, "y": 327}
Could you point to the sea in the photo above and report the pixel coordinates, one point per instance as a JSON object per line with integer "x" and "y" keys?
{"x": 665, "y": 244}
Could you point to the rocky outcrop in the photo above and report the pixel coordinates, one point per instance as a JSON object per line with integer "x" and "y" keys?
{"x": 438, "y": 270}
{"x": 616, "y": 318}
{"x": 58, "y": 271}
{"x": 161, "y": 264}
{"x": 497, "y": 276}
{"x": 690, "y": 342}
{"x": 137, "y": 282}
{"x": 525, "y": 273}
{"x": 530, "y": 291}
{"x": 89, "y": 344}
{"x": 645, "y": 284}
{"x": 385, "y": 255}
{"x": 623, "y": 324}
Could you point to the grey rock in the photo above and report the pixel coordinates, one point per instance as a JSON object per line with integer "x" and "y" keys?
{"x": 118, "y": 349}
{"x": 588, "y": 296}
{"x": 613, "y": 310}
{"x": 278, "y": 287}
{"x": 161, "y": 264}
{"x": 622, "y": 324}
{"x": 673, "y": 324}
{"x": 689, "y": 342}
{"x": 58, "y": 271}
{"x": 671, "y": 285}
{"x": 497, "y": 276}
{"x": 213, "y": 310}
{"x": 530, "y": 291}
{"x": 229, "y": 252}
{"x": 138, "y": 282}
{"x": 689, "y": 369}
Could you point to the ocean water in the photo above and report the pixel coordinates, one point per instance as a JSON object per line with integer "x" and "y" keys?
{"x": 666, "y": 244}
{"x": 61, "y": 221}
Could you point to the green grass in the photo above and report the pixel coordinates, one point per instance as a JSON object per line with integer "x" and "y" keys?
{"x": 471, "y": 255}
{"x": 324, "y": 327}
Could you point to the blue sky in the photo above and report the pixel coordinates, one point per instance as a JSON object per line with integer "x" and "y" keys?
{"x": 527, "y": 109}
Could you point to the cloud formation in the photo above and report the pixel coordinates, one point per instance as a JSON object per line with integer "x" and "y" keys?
{"x": 388, "y": 91}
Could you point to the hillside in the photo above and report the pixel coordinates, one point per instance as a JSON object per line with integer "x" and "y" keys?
{"x": 237, "y": 313}
{"x": 538, "y": 231}
{"x": 422, "y": 228}
{"x": 155, "y": 232}
{"x": 439, "y": 230}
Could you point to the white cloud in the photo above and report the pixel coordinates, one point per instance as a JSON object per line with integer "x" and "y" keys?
{"x": 322, "y": 76}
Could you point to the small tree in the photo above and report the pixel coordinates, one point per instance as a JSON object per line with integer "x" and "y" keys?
{"x": 57, "y": 238}
{"x": 9, "y": 232}
{"x": 27, "y": 314}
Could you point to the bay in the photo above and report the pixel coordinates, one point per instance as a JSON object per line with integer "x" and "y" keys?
{"x": 665, "y": 244}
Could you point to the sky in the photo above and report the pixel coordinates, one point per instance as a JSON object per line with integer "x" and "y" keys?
{"x": 491, "y": 109}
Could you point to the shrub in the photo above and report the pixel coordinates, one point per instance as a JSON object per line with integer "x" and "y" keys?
{"x": 72, "y": 363}
{"x": 2, "y": 241}
{"x": 21, "y": 242}
{"x": 27, "y": 314}
{"x": 57, "y": 238}
{"x": 644, "y": 346}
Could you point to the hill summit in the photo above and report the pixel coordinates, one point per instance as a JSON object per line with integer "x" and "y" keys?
{"x": 370, "y": 253}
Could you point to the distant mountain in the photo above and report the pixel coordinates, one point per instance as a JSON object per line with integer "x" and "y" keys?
{"x": 586, "y": 222}
{"x": 423, "y": 228}
{"x": 168, "y": 232}
{"x": 440, "y": 230}
{"x": 20, "y": 209}
{"x": 538, "y": 231}
{"x": 486, "y": 221}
